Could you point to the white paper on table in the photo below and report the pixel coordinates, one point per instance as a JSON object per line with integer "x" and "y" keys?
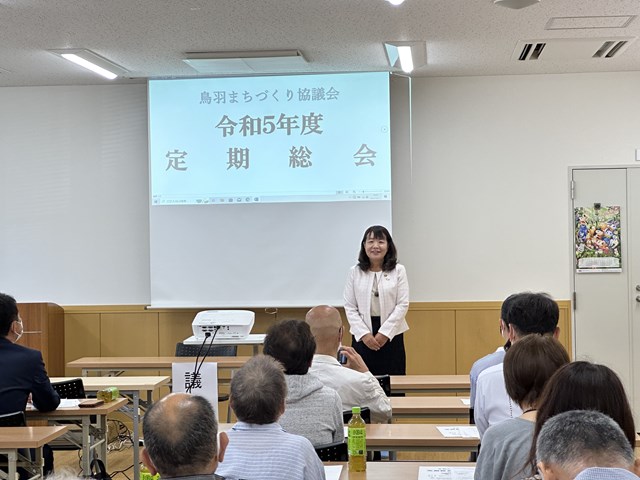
{"x": 466, "y": 401}
{"x": 69, "y": 402}
{"x": 459, "y": 432}
{"x": 346, "y": 432}
{"x": 332, "y": 472}
{"x": 446, "y": 473}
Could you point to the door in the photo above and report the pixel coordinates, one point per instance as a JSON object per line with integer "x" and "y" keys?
{"x": 605, "y": 302}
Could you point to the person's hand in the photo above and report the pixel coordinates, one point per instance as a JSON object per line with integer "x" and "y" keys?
{"x": 30, "y": 399}
{"x": 371, "y": 342}
{"x": 381, "y": 339}
{"x": 354, "y": 360}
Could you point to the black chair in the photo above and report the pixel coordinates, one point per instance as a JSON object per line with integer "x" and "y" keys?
{"x": 365, "y": 413}
{"x": 73, "y": 388}
{"x": 183, "y": 350}
{"x": 16, "y": 419}
{"x": 334, "y": 452}
{"x": 385, "y": 383}
{"x": 69, "y": 389}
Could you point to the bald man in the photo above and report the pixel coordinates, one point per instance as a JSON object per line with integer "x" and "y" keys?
{"x": 354, "y": 383}
{"x": 181, "y": 438}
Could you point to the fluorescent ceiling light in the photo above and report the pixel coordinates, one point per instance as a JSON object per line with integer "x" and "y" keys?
{"x": 396, "y": 2}
{"x": 249, "y": 62}
{"x": 92, "y": 61}
{"x": 406, "y": 60}
{"x": 517, "y": 4}
{"x": 406, "y": 55}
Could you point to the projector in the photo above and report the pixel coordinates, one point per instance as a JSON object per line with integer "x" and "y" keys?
{"x": 229, "y": 323}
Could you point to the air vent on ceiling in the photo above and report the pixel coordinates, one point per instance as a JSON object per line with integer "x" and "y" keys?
{"x": 571, "y": 48}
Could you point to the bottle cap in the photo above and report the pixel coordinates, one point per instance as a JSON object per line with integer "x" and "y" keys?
{"x": 355, "y": 410}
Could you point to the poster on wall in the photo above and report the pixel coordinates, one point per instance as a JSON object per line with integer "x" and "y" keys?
{"x": 597, "y": 239}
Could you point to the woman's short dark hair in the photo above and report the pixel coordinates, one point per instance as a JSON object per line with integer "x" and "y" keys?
{"x": 529, "y": 363}
{"x": 390, "y": 259}
{"x": 584, "y": 386}
{"x": 292, "y": 344}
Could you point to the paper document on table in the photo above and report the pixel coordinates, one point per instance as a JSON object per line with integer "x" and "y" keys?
{"x": 332, "y": 472}
{"x": 69, "y": 402}
{"x": 446, "y": 473}
{"x": 459, "y": 432}
{"x": 466, "y": 401}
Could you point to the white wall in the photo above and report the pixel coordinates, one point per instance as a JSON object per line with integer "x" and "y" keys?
{"x": 480, "y": 211}
{"x": 73, "y": 194}
{"x": 486, "y": 210}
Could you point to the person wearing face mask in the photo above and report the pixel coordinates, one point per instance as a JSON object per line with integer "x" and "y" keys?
{"x": 376, "y": 300}
{"x": 22, "y": 371}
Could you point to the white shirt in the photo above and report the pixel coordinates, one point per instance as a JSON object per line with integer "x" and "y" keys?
{"x": 356, "y": 389}
{"x": 598, "y": 473}
{"x": 492, "y": 404}
{"x": 393, "y": 293}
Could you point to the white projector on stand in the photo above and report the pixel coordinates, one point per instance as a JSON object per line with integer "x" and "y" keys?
{"x": 229, "y": 323}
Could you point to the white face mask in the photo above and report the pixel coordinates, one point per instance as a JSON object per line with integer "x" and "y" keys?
{"x": 21, "y": 332}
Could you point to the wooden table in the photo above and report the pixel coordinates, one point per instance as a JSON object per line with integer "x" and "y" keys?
{"x": 115, "y": 366}
{"x": 13, "y": 439}
{"x": 391, "y": 470}
{"x": 131, "y": 387}
{"x": 429, "y": 407}
{"x": 421, "y": 437}
{"x": 430, "y": 383}
{"x": 94, "y": 435}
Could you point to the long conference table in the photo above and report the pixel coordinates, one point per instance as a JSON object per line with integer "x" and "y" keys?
{"x": 12, "y": 439}
{"x": 114, "y": 366}
{"x": 429, "y": 407}
{"x": 94, "y": 435}
{"x": 389, "y": 470}
{"x": 419, "y": 437}
{"x": 129, "y": 386}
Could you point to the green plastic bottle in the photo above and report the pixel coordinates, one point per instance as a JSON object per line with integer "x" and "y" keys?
{"x": 357, "y": 442}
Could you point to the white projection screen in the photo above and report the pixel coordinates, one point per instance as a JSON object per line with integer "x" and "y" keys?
{"x": 261, "y": 187}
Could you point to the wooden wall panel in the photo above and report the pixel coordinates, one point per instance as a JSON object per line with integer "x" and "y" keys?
{"x": 430, "y": 342}
{"x": 477, "y": 334}
{"x": 81, "y": 338}
{"x": 444, "y": 337}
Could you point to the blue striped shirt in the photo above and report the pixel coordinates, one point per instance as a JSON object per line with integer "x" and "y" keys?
{"x": 267, "y": 452}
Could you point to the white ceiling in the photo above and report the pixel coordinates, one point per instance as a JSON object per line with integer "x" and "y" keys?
{"x": 150, "y": 37}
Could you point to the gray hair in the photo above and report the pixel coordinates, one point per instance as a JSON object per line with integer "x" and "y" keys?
{"x": 258, "y": 391}
{"x": 579, "y": 439}
{"x": 181, "y": 435}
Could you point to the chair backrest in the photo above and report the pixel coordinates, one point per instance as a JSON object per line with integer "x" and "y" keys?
{"x": 73, "y": 388}
{"x": 334, "y": 452}
{"x": 16, "y": 419}
{"x": 183, "y": 350}
{"x": 365, "y": 413}
{"x": 385, "y": 383}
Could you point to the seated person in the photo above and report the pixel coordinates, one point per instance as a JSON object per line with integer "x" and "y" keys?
{"x": 584, "y": 386}
{"x": 354, "y": 383}
{"x": 585, "y": 445}
{"x": 527, "y": 367}
{"x": 22, "y": 375}
{"x": 181, "y": 438}
{"x": 528, "y": 313}
{"x": 258, "y": 447}
{"x": 494, "y": 358}
{"x": 313, "y": 410}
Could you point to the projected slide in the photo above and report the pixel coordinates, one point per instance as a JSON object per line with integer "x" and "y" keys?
{"x": 303, "y": 138}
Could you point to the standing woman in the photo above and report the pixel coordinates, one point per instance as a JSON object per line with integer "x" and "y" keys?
{"x": 376, "y": 299}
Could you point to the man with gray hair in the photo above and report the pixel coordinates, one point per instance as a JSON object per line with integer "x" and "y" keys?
{"x": 259, "y": 448}
{"x": 181, "y": 438}
{"x": 585, "y": 445}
